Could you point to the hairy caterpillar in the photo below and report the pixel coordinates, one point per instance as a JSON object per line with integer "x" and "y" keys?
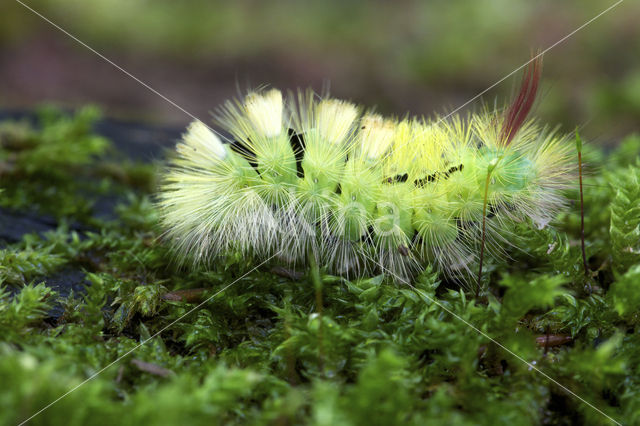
{"x": 311, "y": 176}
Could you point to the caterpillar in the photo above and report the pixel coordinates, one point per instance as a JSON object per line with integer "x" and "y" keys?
{"x": 309, "y": 175}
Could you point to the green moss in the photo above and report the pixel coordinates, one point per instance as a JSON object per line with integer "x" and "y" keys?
{"x": 624, "y": 295}
{"x": 625, "y": 217}
{"x": 251, "y": 354}
{"x": 19, "y": 267}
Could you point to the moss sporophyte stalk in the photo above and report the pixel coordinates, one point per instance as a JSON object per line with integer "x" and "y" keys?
{"x": 316, "y": 176}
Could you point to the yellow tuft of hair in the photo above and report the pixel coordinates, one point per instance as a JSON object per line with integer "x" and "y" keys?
{"x": 376, "y": 136}
{"x": 264, "y": 111}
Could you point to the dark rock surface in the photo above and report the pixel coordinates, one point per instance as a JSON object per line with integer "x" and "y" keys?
{"x": 135, "y": 141}
{"x": 64, "y": 282}
{"x": 14, "y": 224}
{"x": 138, "y": 142}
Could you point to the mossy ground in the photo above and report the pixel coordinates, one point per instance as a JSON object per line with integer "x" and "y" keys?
{"x": 256, "y": 353}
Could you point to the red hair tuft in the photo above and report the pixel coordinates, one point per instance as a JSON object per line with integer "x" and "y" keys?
{"x": 522, "y": 104}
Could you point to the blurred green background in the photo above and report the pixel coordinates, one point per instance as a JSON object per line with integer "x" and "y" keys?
{"x": 400, "y": 56}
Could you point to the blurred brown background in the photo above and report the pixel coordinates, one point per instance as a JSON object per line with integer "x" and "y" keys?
{"x": 400, "y": 56}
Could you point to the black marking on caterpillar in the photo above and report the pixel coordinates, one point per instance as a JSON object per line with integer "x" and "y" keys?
{"x": 397, "y": 179}
{"x": 437, "y": 175}
{"x": 368, "y": 236}
{"x": 246, "y": 152}
{"x": 296, "y": 141}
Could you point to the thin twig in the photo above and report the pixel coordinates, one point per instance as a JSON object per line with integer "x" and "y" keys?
{"x": 490, "y": 168}
{"x": 584, "y": 252}
{"x": 316, "y": 279}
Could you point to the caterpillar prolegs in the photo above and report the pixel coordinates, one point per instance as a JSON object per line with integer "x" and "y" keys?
{"x": 317, "y": 176}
